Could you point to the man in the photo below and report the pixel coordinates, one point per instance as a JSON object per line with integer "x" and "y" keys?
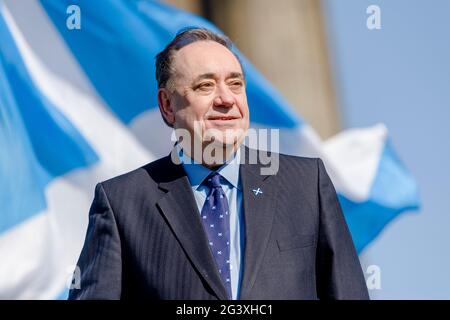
{"x": 204, "y": 222}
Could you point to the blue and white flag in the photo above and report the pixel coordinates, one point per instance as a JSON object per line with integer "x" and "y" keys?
{"x": 78, "y": 105}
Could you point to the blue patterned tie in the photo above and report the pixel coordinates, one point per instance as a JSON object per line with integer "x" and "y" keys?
{"x": 216, "y": 221}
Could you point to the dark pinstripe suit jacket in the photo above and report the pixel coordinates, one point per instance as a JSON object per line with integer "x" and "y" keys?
{"x": 145, "y": 238}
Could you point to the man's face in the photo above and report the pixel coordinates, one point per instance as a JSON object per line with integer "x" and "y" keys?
{"x": 208, "y": 92}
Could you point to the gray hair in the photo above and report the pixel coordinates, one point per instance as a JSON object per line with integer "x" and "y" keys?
{"x": 164, "y": 69}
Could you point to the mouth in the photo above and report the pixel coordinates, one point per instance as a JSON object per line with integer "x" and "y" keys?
{"x": 222, "y": 118}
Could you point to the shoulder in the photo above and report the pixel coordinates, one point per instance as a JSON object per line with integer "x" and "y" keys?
{"x": 145, "y": 177}
{"x": 297, "y": 170}
{"x": 305, "y": 163}
{"x": 284, "y": 164}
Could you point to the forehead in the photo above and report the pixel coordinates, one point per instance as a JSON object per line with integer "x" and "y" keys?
{"x": 205, "y": 57}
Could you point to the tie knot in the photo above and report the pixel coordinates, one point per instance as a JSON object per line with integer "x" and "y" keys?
{"x": 213, "y": 181}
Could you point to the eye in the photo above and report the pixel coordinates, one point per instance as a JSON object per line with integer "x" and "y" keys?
{"x": 205, "y": 86}
{"x": 237, "y": 84}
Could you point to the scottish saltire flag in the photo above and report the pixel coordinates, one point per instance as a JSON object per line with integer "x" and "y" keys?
{"x": 78, "y": 106}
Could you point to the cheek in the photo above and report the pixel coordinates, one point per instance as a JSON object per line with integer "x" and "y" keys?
{"x": 243, "y": 107}
{"x": 193, "y": 110}
{"x": 199, "y": 106}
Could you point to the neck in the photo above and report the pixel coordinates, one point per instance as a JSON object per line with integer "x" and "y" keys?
{"x": 212, "y": 157}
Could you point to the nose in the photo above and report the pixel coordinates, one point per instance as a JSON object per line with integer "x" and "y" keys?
{"x": 224, "y": 97}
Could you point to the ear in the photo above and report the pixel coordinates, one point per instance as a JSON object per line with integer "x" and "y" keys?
{"x": 166, "y": 106}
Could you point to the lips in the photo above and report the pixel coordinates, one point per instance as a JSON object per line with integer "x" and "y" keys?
{"x": 223, "y": 118}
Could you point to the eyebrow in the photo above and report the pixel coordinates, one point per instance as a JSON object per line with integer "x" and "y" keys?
{"x": 211, "y": 75}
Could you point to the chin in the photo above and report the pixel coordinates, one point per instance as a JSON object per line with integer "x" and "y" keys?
{"x": 228, "y": 139}
{"x": 224, "y": 133}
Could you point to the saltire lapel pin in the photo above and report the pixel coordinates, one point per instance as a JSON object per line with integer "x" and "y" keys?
{"x": 257, "y": 191}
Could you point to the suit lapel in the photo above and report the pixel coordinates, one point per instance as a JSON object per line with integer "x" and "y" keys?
{"x": 259, "y": 209}
{"x": 180, "y": 209}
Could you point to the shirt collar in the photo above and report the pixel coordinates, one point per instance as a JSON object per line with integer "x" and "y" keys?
{"x": 196, "y": 172}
